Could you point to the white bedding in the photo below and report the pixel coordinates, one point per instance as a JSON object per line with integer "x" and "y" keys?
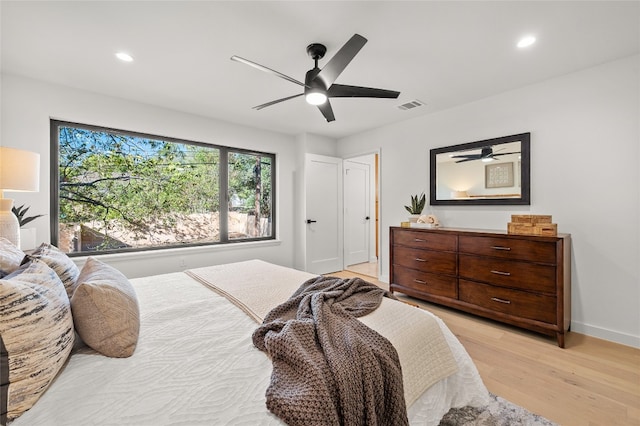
{"x": 423, "y": 352}
{"x": 195, "y": 364}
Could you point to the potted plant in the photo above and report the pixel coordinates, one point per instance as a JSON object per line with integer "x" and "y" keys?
{"x": 27, "y": 235}
{"x": 416, "y": 207}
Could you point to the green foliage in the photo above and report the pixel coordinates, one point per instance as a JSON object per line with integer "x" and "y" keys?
{"x": 20, "y": 213}
{"x": 250, "y": 178}
{"x": 109, "y": 176}
{"x": 417, "y": 204}
{"x": 134, "y": 182}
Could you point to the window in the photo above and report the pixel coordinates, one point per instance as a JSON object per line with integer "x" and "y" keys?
{"x": 115, "y": 191}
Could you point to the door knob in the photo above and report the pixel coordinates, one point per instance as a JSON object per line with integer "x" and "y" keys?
{"x": 311, "y": 221}
{"x": 366, "y": 218}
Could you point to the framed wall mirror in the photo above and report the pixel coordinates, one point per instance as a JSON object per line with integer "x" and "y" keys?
{"x": 488, "y": 172}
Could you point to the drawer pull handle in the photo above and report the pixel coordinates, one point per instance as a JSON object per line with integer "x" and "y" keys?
{"x": 501, "y": 273}
{"x": 419, "y": 281}
{"x": 419, "y": 240}
{"x": 420, "y": 260}
{"x": 501, "y": 248}
{"x": 495, "y": 299}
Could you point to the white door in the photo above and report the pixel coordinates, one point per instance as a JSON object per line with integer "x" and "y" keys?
{"x": 356, "y": 212}
{"x": 323, "y": 209}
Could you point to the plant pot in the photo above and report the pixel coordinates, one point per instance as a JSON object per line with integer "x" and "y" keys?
{"x": 414, "y": 218}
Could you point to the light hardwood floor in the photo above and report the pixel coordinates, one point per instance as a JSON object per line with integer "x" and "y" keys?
{"x": 367, "y": 268}
{"x": 590, "y": 382}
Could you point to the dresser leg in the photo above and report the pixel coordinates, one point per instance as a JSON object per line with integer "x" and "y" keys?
{"x": 560, "y": 337}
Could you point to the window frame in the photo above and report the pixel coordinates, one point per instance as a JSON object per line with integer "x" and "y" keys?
{"x": 223, "y": 179}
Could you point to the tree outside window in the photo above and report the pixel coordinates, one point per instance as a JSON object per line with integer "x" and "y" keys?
{"x": 123, "y": 191}
{"x": 250, "y": 186}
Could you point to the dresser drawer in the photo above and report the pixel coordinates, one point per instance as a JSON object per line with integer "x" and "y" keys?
{"x": 509, "y": 248}
{"x": 425, "y": 260}
{"x": 427, "y": 240}
{"x": 512, "y": 302}
{"x": 509, "y": 273}
{"x": 440, "y": 285}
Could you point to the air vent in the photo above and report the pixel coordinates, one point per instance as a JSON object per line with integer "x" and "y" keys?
{"x": 410, "y": 105}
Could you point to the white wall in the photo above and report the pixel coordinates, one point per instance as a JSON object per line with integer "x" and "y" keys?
{"x": 584, "y": 171}
{"x": 27, "y": 106}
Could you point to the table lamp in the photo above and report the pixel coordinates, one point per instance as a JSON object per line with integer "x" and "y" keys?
{"x": 459, "y": 194}
{"x": 19, "y": 172}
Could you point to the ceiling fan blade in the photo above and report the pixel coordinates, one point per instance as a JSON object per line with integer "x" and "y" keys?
{"x": 266, "y": 69}
{"x": 342, "y": 91}
{"x": 327, "y": 111}
{"x": 467, "y": 159}
{"x": 506, "y": 153}
{"x": 341, "y": 59}
{"x": 470, "y": 156}
{"x": 259, "y": 107}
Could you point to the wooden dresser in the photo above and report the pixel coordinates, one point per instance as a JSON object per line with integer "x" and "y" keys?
{"x": 516, "y": 279}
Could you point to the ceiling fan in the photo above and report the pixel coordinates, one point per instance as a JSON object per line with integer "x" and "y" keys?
{"x": 319, "y": 83}
{"x": 486, "y": 154}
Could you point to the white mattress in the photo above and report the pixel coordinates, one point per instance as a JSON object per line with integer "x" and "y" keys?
{"x": 195, "y": 364}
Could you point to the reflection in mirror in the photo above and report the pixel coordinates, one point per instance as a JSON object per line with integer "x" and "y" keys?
{"x": 492, "y": 171}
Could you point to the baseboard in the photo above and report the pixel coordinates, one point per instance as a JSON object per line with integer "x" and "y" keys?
{"x": 606, "y": 334}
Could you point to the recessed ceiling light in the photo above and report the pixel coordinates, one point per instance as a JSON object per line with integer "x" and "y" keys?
{"x": 125, "y": 57}
{"x": 526, "y": 41}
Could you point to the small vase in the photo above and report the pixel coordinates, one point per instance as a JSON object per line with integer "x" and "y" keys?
{"x": 9, "y": 226}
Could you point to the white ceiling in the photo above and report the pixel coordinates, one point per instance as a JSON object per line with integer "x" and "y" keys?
{"x": 443, "y": 53}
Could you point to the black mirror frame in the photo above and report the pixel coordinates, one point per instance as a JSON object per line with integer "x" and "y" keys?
{"x": 525, "y": 162}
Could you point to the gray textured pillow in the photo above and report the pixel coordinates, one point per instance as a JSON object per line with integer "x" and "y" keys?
{"x": 10, "y": 257}
{"x": 59, "y": 262}
{"x": 37, "y": 333}
{"x": 105, "y": 310}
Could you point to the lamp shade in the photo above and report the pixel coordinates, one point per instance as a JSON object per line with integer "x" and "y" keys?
{"x": 459, "y": 194}
{"x": 19, "y": 170}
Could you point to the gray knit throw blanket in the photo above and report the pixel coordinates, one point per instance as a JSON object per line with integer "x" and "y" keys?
{"x": 328, "y": 367}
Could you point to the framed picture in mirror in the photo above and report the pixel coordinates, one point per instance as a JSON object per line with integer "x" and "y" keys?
{"x": 498, "y": 175}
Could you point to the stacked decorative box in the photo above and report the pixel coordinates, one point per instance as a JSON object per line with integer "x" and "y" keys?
{"x": 532, "y": 224}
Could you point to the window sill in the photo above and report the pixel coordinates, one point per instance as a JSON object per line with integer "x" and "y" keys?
{"x": 151, "y": 254}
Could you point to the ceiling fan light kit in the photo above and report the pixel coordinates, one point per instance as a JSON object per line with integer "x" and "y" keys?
{"x": 315, "y": 97}
{"x": 319, "y": 83}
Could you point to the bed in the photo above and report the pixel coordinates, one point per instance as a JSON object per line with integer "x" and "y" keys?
{"x": 194, "y": 361}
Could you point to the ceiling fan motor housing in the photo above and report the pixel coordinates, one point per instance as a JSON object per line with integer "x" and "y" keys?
{"x": 313, "y": 83}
